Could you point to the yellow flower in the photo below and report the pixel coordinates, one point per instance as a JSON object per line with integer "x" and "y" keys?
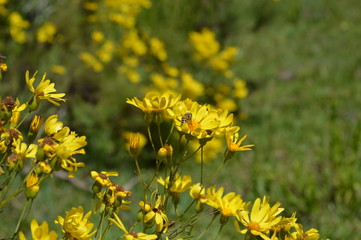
{"x": 103, "y": 177}
{"x": 157, "y": 49}
{"x": 228, "y": 205}
{"x": 240, "y": 89}
{"x": 97, "y": 36}
{"x": 311, "y": 234}
{"x": 55, "y": 129}
{"x": 260, "y": 220}
{"x": 198, "y": 192}
{"x": 131, "y": 235}
{"x": 3, "y": 67}
{"x": 179, "y": 184}
{"x": 45, "y": 90}
{"x": 46, "y": 33}
{"x": 200, "y": 123}
{"x": 204, "y": 44}
{"x": 233, "y": 145}
{"x": 191, "y": 88}
{"x": 75, "y": 225}
{"x": 39, "y": 232}
{"x": 58, "y": 69}
{"x": 154, "y": 105}
{"x": 157, "y": 216}
{"x": 91, "y": 61}
{"x": 70, "y": 145}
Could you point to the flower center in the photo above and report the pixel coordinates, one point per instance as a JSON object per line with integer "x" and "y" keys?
{"x": 193, "y": 125}
{"x": 232, "y": 147}
{"x": 253, "y": 226}
{"x": 226, "y": 212}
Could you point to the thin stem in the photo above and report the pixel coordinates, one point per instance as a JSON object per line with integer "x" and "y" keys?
{"x": 99, "y": 227}
{"x": 202, "y": 163}
{"x": 25, "y": 117}
{"x": 151, "y": 139}
{"x": 170, "y": 133}
{"x": 160, "y": 134}
{"x": 21, "y": 218}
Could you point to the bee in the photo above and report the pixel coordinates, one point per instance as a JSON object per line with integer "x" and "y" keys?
{"x": 186, "y": 117}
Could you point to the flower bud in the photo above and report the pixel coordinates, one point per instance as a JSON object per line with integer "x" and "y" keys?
{"x": 33, "y": 104}
{"x": 162, "y": 155}
{"x": 32, "y": 186}
{"x": 34, "y": 128}
{"x": 134, "y": 141}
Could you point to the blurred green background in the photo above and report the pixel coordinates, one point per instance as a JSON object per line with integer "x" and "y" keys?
{"x": 300, "y": 61}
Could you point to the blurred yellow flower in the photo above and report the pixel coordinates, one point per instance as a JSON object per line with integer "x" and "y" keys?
{"x": 46, "y": 33}
{"x": 204, "y": 44}
{"x": 58, "y": 69}
{"x": 97, "y": 36}
{"x": 17, "y": 26}
{"x": 157, "y": 49}
{"x": 75, "y": 225}
{"x": 240, "y": 88}
{"x": 91, "y": 61}
{"x": 311, "y": 234}
{"x": 3, "y": 67}
{"x": 105, "y": 52}
{"x": 191, "y": 88}
{"x": 40, "y": 232}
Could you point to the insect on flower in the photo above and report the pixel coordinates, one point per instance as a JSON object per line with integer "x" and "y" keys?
{"x": 186, "y": 117}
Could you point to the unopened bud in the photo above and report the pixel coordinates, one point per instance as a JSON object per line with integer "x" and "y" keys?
{"x": 32, "y": 186}
{"x": 34, "y": 127}
{"x": 33, "y": 104}
{"x": 134, "y": 142}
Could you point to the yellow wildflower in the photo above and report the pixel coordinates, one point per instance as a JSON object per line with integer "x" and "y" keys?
{"x": 200, "y": 123}
{"x": 17, "y": 26}
{"x": 97, "y": 36}
{"x": 45, "y": 90}
{"x": 70, "y": 145}
{"x": 91, "y": 61}
{"x": 46, "y": 33}
{"x": 40, "y": 232}
{"x": 55, "y": 129}
{"x": 75, "y": 225}
{"x": 311, "y": 234}
{"x": 233, "y": 145}
{"x": 157, "y": 216}
{"x": 260, "y": 220}
{"x": 191, "y": 88}
{"x": 131, "y": 235}
{"x": 240, "y": 88}
{"x": 157, "y": 49}
{"x": 58, "y": 69}
{"x": 154, "y": 105}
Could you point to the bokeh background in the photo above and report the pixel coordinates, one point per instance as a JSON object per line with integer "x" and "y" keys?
{"x": 289, "y": 70}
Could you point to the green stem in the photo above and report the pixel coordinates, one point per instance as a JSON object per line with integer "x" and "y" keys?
{"x": 151, "y": 139}
{"x": 21, "y": 218}
{"x": 160, "y": 134}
